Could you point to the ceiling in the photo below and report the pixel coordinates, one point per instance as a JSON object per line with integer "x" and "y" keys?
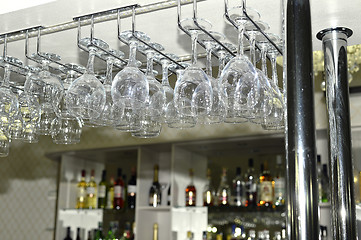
{"x": 159, "y": 25}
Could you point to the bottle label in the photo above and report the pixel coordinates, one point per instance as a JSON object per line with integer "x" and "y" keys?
{"x": 110, "y": 200}
{"x": 251, "y": 187}
{"x": 90, "y": 191}
{"x": 154, "y": 200}
{"x": 102, "y": 191}
{"x": 132, "y": 189}
{"x": 266, "y": 191}
{"x": 280, "y": 187}
{"x": 118, "y": 191}
{"x": 223, "y": 197}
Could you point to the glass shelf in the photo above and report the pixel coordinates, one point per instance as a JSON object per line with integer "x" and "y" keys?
{"x": 242, "y": 209}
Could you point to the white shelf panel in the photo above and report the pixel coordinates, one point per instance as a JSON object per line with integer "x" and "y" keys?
{"x": 161, "y": 208}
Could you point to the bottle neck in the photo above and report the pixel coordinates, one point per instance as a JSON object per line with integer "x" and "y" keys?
{"x": 90, "y": 64}
{"x": 155, "y": 177}
{"x": 132, "y": 62}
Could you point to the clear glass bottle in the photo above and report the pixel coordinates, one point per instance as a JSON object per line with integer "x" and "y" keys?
{"x": 325, "y": 185}
{"x": 279, "y": 184}
{"x": 277, "y": 236}
{"x": 208, "y": 192}
{"x": 91, "y": 192}
{"x": 191, "y": 192}
{"x": 251, "y": 185}
{"x": 81, "y": 192}
{"x": 155, "y": 192}
{"x": 102, "y": 191}
{"x": 266, "y": 188}
{"x": 132, "y": 189}
{"x": 238, "y": 189}
{"x": 251, "y": 234}
{"x": 224, "y": 191}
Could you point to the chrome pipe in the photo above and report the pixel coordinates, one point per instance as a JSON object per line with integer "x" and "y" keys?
{"x": 302, "y": 192}
{"x": 334, "y": 43}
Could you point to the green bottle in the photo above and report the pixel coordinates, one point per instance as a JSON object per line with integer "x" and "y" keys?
{"x": 102, "y": 191}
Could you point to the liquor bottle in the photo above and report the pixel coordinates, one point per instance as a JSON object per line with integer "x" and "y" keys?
{"x": 132, "y": 189}
{"x": 78, "y": 234}
{"x": 252, "y": 234}
{"x": 91, "y": 192}
{"x": 208, "y": 192}
{"x": 102, "y": 191}
{"x": 266, "y": 188}
{"x": 223, "y": 192}
{"x": 110, "y": 194}
{"x": 279, "y": 184}
{"x": 127, "y": 234}
{"x": 155, "y": 193}
{"x": 191, "y": 192}
{"x": 266, "y": 235}
{"x": 99, "y": 232}
{"x": 155, "y": 231}
{"x": 125, "y": 191}
{"x": 238, "y": 189}
{"x": 319, "y": 178}
{"x": 325, "y": 185}
{"x": 251, "y": 185}
{"x": 190, "y": 235}
{"x": 169, "y": 197}
{"x": 81, "y": 195}
{"x": 68, "y": 234}
{"x": 118, "y": 191}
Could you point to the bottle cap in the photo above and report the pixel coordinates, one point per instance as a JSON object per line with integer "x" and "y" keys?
{"x": 83, "y": 173}
{"x": 324, "y": 167}
{"x": 155, "y": 226}
{"x": 318, "y": 158}
{"x": 92, "y": 173}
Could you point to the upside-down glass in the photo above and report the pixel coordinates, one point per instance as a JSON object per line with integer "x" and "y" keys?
{"x": 238, "y": 78}
{"x": 130, "y": 91}
{"x": 109, "y": 113}
{"x": 48, "y": 89}
{"x": 151, "y": 115}
{"x": 66, "y": 128}
{"x": 85, "y": 97}
{"x": 274, "y": 120}
{"x": 193, "y": 93}
{"x": 218, "y": 111}
{"x": 259, "y": 104}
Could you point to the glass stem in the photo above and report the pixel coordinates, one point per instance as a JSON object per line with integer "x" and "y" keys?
{"x": 6, "y": 81}
{"x": 150, "y": 55}
{"x": 252, "y": 40}
{"x": 209, "y": 59}
{"x": 165, "y": 81}
{"x": 194, "y": 37}
{"x": 274, "y": 70}
{"x": 108, "y": 76}
{"x": 132, "y": 62}
{"x": 222, "y": 60}
{"x": 264, "y": 62}
{"x": 90, "y": 64}
{"x": 240, "y": 39}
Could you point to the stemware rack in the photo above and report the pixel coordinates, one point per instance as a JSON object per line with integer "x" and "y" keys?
{"x": 117, "y": 13}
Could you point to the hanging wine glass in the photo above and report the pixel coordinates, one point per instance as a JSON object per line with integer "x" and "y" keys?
{"x": 66, "y": 128}
{"x": 9, "y": 105}
{"x": 260, "y": 103}
{"x": 151, "y": 115}
{"x": 274, "y": 120}
{"x": 238, "y": 11}
{"x": 85, "y": 97}
{"x": 238, "y": 78}
{"x": 130, "y": 91}
{"x": 48, "y": 89}
{"x": 218, "y": 111}
{"x": 193, "y": 91}
{"x": 171, "y": 113}
{"x": 30, "y": 113}
{"x": 109, "y": 113}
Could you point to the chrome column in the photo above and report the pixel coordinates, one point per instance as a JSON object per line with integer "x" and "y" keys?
{"x": 302, "y": 198}
{"x": 340, "y": 161}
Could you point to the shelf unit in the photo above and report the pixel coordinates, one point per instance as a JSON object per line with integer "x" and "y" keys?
{"x": 174, "y": 160}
